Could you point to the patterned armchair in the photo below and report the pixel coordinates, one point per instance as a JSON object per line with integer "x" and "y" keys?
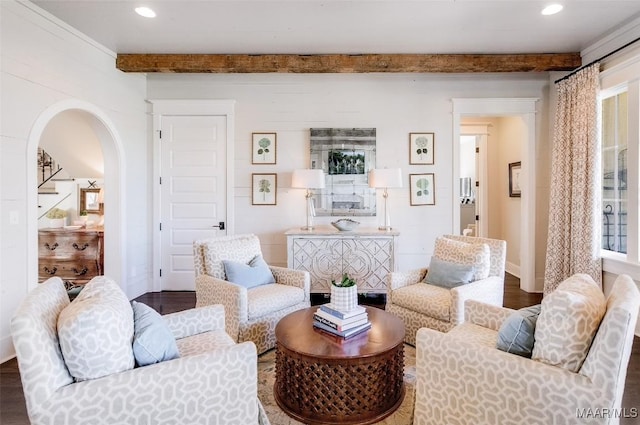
{"x": 251, "y": 314}
{"x": 463, "y": 379}
{"x": 422, "y": 305}
{"x": 200, "y": 387}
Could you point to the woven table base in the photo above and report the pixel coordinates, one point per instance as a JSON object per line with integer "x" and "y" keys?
{"x": 346, "y": 391}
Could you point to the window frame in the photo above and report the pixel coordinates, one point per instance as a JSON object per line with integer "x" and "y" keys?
{"x": 602, "y": 96}
{"x": 618, "y": 76}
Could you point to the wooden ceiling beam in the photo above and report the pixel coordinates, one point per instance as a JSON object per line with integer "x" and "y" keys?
{"x": 339, "y": 63}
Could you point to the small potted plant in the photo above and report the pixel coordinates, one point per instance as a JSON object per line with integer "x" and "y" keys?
{"x": 57, "y": 218}
{"x": 344, "y": 294}
{"x": 84, "y": 216}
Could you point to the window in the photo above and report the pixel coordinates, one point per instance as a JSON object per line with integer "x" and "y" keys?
{"x": 614, "y": 173}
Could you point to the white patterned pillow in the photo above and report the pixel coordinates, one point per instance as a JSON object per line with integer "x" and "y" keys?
{"x": 96, "y": 331}
{"x": 568, "y": 322}
{"x": 477, "y": 255}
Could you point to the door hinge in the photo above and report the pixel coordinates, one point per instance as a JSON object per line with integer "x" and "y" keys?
{"x": 160, "y": 133}
{"x": 477, "y": 150}
{"x": 160, "y": 180}
{"x": 477, "y": 183}
{"x": 161, "y": 227}
{"x": 477, "y": 217}
{"x": 160, "y": 272}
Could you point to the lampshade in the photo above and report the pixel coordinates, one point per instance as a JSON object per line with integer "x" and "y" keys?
{"x": 385, "y": 177}
{"x": 307, "y": 179}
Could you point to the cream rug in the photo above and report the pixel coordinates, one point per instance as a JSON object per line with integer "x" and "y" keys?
{"x": 266, "y": 378}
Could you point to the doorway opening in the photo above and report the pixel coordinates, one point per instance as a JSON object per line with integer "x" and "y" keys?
{"x": 96, "y": 124}
{"x": 521, "y": 110}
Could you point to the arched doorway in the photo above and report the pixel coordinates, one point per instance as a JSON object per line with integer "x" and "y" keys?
{"x": 111, "y": 144}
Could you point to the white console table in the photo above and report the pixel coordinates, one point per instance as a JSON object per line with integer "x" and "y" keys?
{"x": 367, "y": 255}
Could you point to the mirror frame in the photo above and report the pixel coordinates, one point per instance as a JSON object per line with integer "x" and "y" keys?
{"x": 82, "y": 205}
{"x": 356, "y": 147}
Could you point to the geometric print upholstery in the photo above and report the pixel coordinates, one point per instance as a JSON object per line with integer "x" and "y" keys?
{"x": 568, "y": 321}
{"x": 463, "y": 380}
{"x": 419, "y": 304}
{"x": 194, "y": 389}
{"x": 237, "y": 248}
{"x": 96, "y": 330}
{"x": 466, "y": 254}
{"x": 413, "y": 297}
{"x": 34, "y": 331}
{"x": 251, "y": 314}
{"x": 265, "y": 299}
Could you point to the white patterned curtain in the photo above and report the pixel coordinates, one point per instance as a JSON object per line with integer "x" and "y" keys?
{"x": 573, "y": 241}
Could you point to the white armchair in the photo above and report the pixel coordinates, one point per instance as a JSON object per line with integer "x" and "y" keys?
{"x": 463, "y": 379}
{"x": 251, "y": 314}
{"x": 200, "y": 387}
{"x": 422, "y": 305}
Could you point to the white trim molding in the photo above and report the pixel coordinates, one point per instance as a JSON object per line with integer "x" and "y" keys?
{"x": 115, "y": 250}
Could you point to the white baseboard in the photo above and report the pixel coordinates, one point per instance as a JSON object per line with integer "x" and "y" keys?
{"x": 513, "y": 269}
{"x": 7, "y": 351}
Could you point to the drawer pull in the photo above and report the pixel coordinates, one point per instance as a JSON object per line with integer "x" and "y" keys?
{"x": 81, "y": 272}
{"x": 50, "y": 271}
{"x": 80, "y": 248}
{"x": 50, "y": 247}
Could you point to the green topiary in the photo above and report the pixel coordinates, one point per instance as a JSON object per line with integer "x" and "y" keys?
{"x": 345, "y": 282}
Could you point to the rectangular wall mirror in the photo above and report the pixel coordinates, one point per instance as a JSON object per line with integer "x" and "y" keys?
{"x": 346, "y": 155}
{"x": 89, "y": 201}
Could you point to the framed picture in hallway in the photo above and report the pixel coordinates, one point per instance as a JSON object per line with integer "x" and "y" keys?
{"x": 514, "y": 179}
{"x": 264, "y": 188}
{"x": 263, "y": 148}
{"x": 422, "y": 189}
{"x": 421, "y": 147}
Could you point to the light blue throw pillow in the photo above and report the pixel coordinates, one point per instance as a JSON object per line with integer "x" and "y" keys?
{"x": 256, "y": 273}
{"x": 516, "y": 335}
{"x": 153, "y": 341}
{"x": 447, "y": 274}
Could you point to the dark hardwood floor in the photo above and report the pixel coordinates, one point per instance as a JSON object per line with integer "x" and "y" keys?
{"x": 13, "y": 410}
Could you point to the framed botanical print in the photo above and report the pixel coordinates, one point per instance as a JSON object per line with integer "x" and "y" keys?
{"x": 264, "y": 188}
{"x": 514, "y": 179}
{"x": 421, "y": 148}
{"x": 263, "y": 148}
{"x": 422, "y": 189}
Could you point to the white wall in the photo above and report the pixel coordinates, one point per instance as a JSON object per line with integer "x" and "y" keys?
{"x": 44, "y": 62}
{"x": 395, "y": 104}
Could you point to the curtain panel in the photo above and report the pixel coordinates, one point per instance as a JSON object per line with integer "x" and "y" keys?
{"x": 573, "y": 240}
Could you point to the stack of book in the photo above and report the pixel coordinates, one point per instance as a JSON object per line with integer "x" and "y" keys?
{"x": 343, "y": 324}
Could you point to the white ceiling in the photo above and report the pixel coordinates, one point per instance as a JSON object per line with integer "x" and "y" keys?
{"x": 340, "y": 26}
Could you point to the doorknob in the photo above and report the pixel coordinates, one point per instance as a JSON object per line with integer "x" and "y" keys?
{"x": 220, "y": 225}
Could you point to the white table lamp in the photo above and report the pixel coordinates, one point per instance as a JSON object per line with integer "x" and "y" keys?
{"x": 308, "y": 179}
{"x": 384, "y": 178}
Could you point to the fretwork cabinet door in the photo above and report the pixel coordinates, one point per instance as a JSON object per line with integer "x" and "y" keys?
{"x": 322, "y": 258}
{"x": 368, "y": 257}
{"x": 368, "y": 261}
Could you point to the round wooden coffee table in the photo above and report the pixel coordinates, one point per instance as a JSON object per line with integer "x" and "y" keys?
{"x": 322, "y": 379}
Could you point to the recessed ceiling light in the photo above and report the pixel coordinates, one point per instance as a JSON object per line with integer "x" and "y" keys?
{"x": 552, "y": 9}
{"x": 146, "y": 12}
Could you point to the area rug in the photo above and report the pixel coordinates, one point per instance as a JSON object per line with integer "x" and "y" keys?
{"x": 266, "y": 379}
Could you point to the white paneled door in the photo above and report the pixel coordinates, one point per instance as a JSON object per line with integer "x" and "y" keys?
{"x": 192, "y": 191}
